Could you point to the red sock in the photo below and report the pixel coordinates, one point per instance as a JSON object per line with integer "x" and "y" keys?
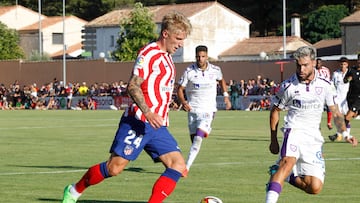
{"x": 91, "y": 177}
{"x": 162, "y": 188}
{"x": 329, "y": 115}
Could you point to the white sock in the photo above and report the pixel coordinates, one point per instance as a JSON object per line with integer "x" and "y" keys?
{"x": 194, "y": 151}
{"x": 74, "y": 193}
{"x": 272, "y": 196}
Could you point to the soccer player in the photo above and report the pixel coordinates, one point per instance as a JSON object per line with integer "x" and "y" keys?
{"x": 301, "y": 162}
{"x": 342, "y": 89}
{"x": 199, "y": 81}
{"x": 353, "y": 96}
{"x": 324, "y": 72}
{"x": 143, "y": 126}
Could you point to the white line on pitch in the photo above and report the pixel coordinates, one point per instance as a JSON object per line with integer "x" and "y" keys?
{"x": 222, "y": 163}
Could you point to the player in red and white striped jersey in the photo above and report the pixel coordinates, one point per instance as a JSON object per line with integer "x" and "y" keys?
{"x": 324, "y": 72}
{"x": 143, "y": 125}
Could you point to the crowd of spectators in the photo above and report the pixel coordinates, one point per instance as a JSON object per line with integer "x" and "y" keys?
{"x": 32, "y": 96}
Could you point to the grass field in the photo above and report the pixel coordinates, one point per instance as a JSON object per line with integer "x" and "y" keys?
{"x": 42, "y": 151}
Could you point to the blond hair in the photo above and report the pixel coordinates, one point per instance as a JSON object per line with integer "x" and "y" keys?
{"x": 176, "y": 22}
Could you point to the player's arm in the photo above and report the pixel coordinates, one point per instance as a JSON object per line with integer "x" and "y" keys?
{"x": 340, "y": 125}
{"x": 348, "y": 76}
{"x": 274, "y": 122}
{"x": 135, "y": 92}
{"x": 181, "y": 97}
{"x": 223, "y": 85}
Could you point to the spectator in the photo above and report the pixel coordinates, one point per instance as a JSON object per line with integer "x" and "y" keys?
{"x": 83, "y": 89}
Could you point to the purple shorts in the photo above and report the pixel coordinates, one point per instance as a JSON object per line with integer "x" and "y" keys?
{"x": 134, "y": 135}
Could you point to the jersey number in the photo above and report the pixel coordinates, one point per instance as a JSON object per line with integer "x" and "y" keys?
{"x": 133, "y": 139}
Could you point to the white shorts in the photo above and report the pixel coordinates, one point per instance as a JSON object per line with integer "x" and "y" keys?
{"x": 306, "y": 147}
{"x": 201, "y": 120}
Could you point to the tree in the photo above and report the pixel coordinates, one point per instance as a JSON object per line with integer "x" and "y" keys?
{"x": 323, "y": 23}
{"x": 9, "y": 44}
{"x": 135, "y": 32}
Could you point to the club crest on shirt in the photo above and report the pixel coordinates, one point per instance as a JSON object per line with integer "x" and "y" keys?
{"x": 318, "y": 90}
{"x": 319, "y": 155}
{"x": 293, "y": 148}
{"x": 128, "y": 150}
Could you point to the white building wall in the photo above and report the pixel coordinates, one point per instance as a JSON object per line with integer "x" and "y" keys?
{"x": 104, "y": 41}
{"x": 73, "y": 29}
{"x": 217, "y": 28}
{"x": 351, "y": 39}
{"x": 19, "y": 17}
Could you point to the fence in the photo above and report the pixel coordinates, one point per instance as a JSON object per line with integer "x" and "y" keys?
{"x": 92, "y": 71}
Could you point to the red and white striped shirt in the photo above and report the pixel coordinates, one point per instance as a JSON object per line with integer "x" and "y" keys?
{"x": 324, "y": 72}
{"x": 157, "y": 69}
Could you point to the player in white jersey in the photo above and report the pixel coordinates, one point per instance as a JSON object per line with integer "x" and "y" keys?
{"x": 324, "y": 72}
{"x": 301, "y": 162}
{"x": 341, "y": 90}
{"x": 199, "y": 81}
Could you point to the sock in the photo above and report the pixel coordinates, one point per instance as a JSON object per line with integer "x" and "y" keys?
{"x": 348, "y": 126}
{"x": 194, "y": 151}
{"x": 329, "y": 115}
{"x": 274, "y": 190}
{"x": 93, "y": 176}
{"x": 164, "y": 186}
{"x": 291, "y": 179}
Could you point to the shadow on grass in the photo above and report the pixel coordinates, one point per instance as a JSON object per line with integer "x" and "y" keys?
{"x": 90, "y": 201}
{"x": 130, "y": 169}
{"x": 244, "y": 139}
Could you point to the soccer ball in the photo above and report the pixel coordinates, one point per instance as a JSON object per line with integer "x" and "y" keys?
{"x": 210, "y": 199}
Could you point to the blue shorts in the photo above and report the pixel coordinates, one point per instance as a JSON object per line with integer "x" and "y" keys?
{"x": 134, "y": 135}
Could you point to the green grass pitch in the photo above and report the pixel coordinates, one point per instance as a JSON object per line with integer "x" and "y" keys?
{"x": 42, "y": 151}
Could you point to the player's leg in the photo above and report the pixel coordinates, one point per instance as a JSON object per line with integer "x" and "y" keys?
{"x": 201, "y": 125}
{"x": 276, "y": 182}
{"x": 125, "y": 139}
{"x": 195, "y": 147}
{"x": 329, "y": 118}
{"x": 94, "y": 175}
{"x": 311, "y": 165}
{"x": 309, "y": 184}
{"x": 165, "y": 145}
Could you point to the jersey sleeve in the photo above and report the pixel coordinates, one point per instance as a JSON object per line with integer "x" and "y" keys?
{"x": 184, "y": 78}
{"x": 281, "y": 97}
{"x": 140, "y": 67}
{"x": 330, "y": 97}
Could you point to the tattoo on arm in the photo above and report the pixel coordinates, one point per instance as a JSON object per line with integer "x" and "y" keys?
{"x": 338, "y": 118}
{"x": 135, "y": 92}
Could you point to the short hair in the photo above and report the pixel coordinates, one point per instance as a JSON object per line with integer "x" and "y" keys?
{"x": 201, "y": 48}
{"x": 176, "y": 22}
{"x": 305, "y": 51}
{"x": 343, "y": 59}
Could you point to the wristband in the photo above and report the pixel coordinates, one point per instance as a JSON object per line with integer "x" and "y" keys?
{"x": 226, "y": 94}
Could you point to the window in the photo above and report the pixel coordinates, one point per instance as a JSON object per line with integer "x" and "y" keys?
{"x": 112, "y": 41}
{"x": 57, "y": 38}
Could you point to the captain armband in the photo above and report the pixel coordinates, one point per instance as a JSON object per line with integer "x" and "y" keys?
{"x": 225, "y": 94}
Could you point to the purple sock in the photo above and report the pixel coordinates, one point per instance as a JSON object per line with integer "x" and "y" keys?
{"x": 275, "y": 186}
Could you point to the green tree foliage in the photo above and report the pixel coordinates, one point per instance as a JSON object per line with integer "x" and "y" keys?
{"x": 9, "y": 44}
{"x": 87, "y": 10}
{"x": 323, "y": 23}
{"x": 135, "y": 32}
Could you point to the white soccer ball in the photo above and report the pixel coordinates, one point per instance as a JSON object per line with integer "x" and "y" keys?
{"x": 210, "y": 199}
